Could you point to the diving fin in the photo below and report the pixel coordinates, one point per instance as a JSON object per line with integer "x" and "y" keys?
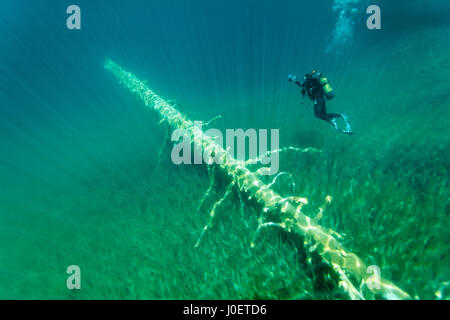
{"x": 348, "y": 128}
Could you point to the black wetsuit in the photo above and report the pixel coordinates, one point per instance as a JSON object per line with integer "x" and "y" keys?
{"x": 313, "y": 89}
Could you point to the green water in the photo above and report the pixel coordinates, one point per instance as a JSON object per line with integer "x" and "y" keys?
{"x": 80, "y": 184}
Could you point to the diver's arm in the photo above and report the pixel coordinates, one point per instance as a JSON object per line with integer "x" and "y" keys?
{"x": 300, "y": 84}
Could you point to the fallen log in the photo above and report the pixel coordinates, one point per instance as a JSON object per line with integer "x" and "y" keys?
{"x": 282, "y": 213}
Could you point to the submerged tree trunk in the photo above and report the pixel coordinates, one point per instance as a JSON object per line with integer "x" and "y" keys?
{"x": 351, "y": 273}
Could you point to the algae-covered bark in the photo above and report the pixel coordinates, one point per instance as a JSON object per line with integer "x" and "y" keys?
{"x": 284, "y": 213}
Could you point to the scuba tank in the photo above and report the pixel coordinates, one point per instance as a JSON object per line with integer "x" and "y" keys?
{"x": 327, "y": 89}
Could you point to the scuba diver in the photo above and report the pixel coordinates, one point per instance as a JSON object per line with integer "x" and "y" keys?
{"x": 316, "y": 86}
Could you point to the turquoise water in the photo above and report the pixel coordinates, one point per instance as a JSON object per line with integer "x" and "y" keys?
{"x": 80, "y": 180}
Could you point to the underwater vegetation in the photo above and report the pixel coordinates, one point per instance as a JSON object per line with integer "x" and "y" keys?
{"x": 284, "y": 214}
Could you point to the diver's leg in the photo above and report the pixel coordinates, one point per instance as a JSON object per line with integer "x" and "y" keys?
{"x": 320, "y": 111}
{"x": 319, "y": 108}
{"x": 334, "y": 115}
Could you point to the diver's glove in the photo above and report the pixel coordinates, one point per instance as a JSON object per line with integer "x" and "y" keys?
{"x": 292, "y": 77}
